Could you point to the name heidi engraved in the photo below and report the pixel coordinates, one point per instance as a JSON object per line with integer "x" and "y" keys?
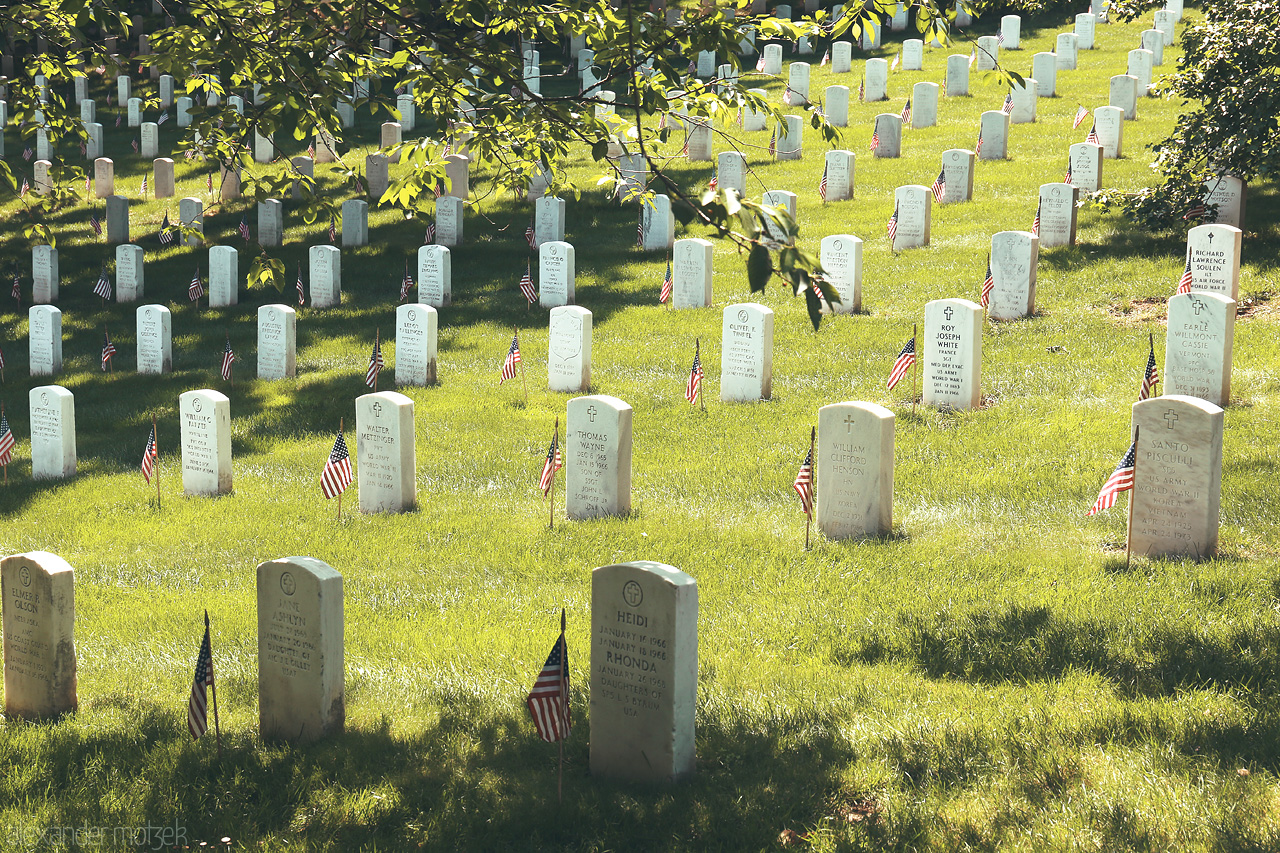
{"x": 631, "y": 675}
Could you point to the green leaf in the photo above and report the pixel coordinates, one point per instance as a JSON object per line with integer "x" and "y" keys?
{"x": 759, "y": 268}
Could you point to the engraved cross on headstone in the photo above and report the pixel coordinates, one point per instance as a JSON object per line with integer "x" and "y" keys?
{"x": 591, "y": 413}
{"x": 1197, "y": 305}
{"x": 848, "y": 423}
{"x": 1171, "y": 417}
{"x": 948, "y": 312}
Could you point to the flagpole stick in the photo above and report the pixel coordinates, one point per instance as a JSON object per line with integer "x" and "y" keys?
{"x": 341, "y": 423}
{"x": 915, "y": 374}
{"x": 523, "y": 380}
{"x": 1151, "y": 340}
{"x": 377, "y": 345}
{"x": 111, "y": 367}
{"x": 556, "y": 441}
{"x": 564, "y": 698}
{"x": 213, "y": 687}
{"x": 697, "y": 348}
{"x": 156, "y": 462}
{"x": 1133, "y": 492}
{"x": 808, "y": 516}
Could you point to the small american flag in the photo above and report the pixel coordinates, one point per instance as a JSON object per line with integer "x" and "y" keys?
{"x": 103, "y": 287}
{"x": 336, "y": 475}
{"x": 301, "y": 296}
{"x": 786, "y": 96}
{"x": 108, "y": 350}
{"x": 892, "y": 226}
{"x": 1197, "y": 210}
{"x": 1000, "y": 39}
{"x": 1007, "y": 109}
{"x": 311, "y": 151}
{"x": 166, "y": 230}
{"x": 333, "y": 231}
{"x": 713, "y": 184}
{"x": 430, "y": 237}
{"x": 548, "y": 701}
{"x": 693, "y": 388}
{"x": 149, "y": 455}
{"x": 1184, "y": 285}
{"x": 760, "y": 63}
{"x": 119, "y": 116}
{"x": 526, "y": 285}
{"x": 939, "y": 188}
{"x": 142, "y": 191}
{"x": 6, "y": 441}
{"x": 1035, "y": 224}
{"x": 197, "y": 705}
{"x": 804, "y": 484}
{"x": 208, "y": 182}
{"x": 164, "y": 116}
{"x": 25, "y": 187}
{"x": 84, "y": 149}
{"x": 875, "y": 137}
{"x": 1121, "y": 480}
{"x": 1081, "y": 115}
{"x": 529, "y": 236}
{"x": 906, "y": 358}
{"x": 196, "y": 289}
{"x": 134, "y": 144}
{"x": 16, "y": 293}
{"x": 27, "y": 153}
{"x": 94, "y": 223}
{"x": 862, "y": 89}
{"x": 1066, "y": 177}
{"x": 977, "y": 152}
{"x": 897, "y": 57}
{"x": 512, "y": 359}
{"x": 375, "y": 364}
{"x": 1093, "y": 135}
{"x": 244, "y": 227}
{"x": 228, "y": 358}
{"x": 822, "y": 184}
{"x": 988, "y": 285}
{"x": 640, "y": 227}
{"x": 552, "y": 465}
{"x": 773, "y": 144}
{"x": 405, "y": 283}
{"x": 826, "y": 57}
{"x": 973, "y": 55}
{"x": 663, "y": 295}
{"x": 1150, "y": 376}
{"x": 906, "y": 112}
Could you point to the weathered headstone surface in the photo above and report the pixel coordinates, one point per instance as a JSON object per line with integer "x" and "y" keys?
{"x": 326, "y": 276}
{"x": 773, "y": 59}
{"x": 644, "y": 672}
{"x": 104, "y": 177}
{"x": 150, "y": 140}
{"x": 435, "y": 276}
{"x": 597, "y": 457}
{"x": 556, "y": 274}
{"x": 1058, "y": 215}
{"x": 52, "y": 411}
{"x": 1153, "y": 40}
{"x": 913, "y": 55}
{"x": 548, "y": 220}
{"x": 1214, "y": 251}
{"x": 1086, "y": 166}
{"x": 798, "y": 83}
{"x": 691, "y": 273}
{"x": 791, "y": 139}
{"x": 1044, "y": 68}
{"x": 304, "y": 166}
{"x": 183, "y": 111}
{"x": 355, "y": 223}
{"x": 44, "y": 340}
{"x": 39, "y": 615}
{"x": 569, "y": 349}
{"x": 952, "y": 344}
{"x": 988, "y": 53}
{"x": 1011, "y": 29}
{"x": 155, "y": 339}
{"x": 957, "y": 75}
{"x": 300, "y": 650}
{"x": 660, "y": 225}
{"x": 277, "y": 342}
{"x": 1197, "y": 355}
{"x": 841, "y": 259}
{"x": 1086, "y": 26}
{"x": 270, "y": 222}
{"x": 914, "y": 204}
{"x": 755, "y": 120}
{"x": 416, "y": 336}
{"x": 391, "y": 134}
{"x": 386, "y": 468}
{"x": 224, "y": 276}
{"x": 44, "y": 275}
{"x": 746, "y": 353}
{"x": 994, "y": 130}
{"x": 191, "y": 213}
{"x": 888, "y": 132}
{"x": 876, "y": 80}
{"x": 117, "y": 219}
{"x": 1177, "y": 477}
{"x": 229, "y": 182}
{"x": 924, "y": 104}
{"x": 1065, "y": 50}
{"x": 1140, "y": 67}
{"x": 1014, "y": 256}
{"x": 854, "y": 462}
{"x": 1228, "y": 192}
{"x": 839, "y": 166}
{"x": 135, "y": 112}
{"x": 449, "y": 221}
{"x": 41, "y": 183}
{"x": 957, "y": 169}
{"x": 130, "y": 280}
{"x": 841, "y": 57}
{"x": 162, "y": 169}
{"x": 1109, "y": 122}
{"x": 731, "y": 171}
{"x": 93, "y": 148}
{"x": 457, "y": 170}
{"x": 1124, "y": 94}
{"x": 206, "y": 442}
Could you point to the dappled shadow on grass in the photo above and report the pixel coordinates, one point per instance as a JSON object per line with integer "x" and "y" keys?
{"x": 1032, "y": 643}
{"x": 471, "y": 780}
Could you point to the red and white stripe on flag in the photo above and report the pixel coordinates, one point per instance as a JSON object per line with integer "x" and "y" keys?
{"x": 548, "y": 701}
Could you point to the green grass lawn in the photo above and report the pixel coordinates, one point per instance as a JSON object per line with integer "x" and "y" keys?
{"x": 991, "y": 676}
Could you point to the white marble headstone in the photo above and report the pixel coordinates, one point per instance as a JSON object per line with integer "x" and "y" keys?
{"x": 449, "y": 221}
{"x": 206, "y": 442}
{"x": 691, "y": 273}
{"x": 39, "y": 615}
{"x": 957, "y": 75}
{"x": 191, "y": 213}
{"x": 325, "y": 264}
{"x": 130, "y": 281}
{"x": 1140, "y": 66}
{"x": 1197, "y": 355}
{"x": 1011, "y": 29}
{"x": 876, "y": 81}
{"x": 1086, "y": 166}
{"x": 224, "y": 276}
{"x": 597, "y": 457}
{"x": 52, "y": 411}
{"x": 1044, "y": 68}
{"x": 155, "y": 339}
{"x": 1058, "y": 215}
{"x": 386, "y": 468}
{"x": 994, "y": 130}
{"x": 277, "y": 342}
{"x": 1014, "y": 257}
{"x": 1229, "y": 193}
{"x": 660, "y": 225}
{"x": 957, "y": 169}
{"x": 435, "y": 276}
{"x": 914, "y": 204}
{"x": 1109, "y": 122}
{"x": 839, "y": 169}
{"x": 841, "y": 259}
{"x": 1214, "y": 251}
{"x": 746, "y": 353}
{"x": 854, "y": 467}
{"x": 924, "y": 104}
{"x": 44, "y": 340}
{"x": 569, "y": 349}
{"x": 556, "y": 274}
{"x": 355, "y": 222}
{"x": 1124, "y": 94}
{"x": 44, "y": 274}
{"x": 416, "y": 339}
{"x": 888, "y": 130}
{"x": 952, "y": 347}
{"x": 548, "y": 219}
{"x": 731, "y": 171}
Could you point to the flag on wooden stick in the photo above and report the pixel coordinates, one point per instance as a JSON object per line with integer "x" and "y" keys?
{"x": 197, "y": 705}
{"x": 1121, "y": 480}
{"x": 548, "y": 701}
{"x": 336, "y": 475}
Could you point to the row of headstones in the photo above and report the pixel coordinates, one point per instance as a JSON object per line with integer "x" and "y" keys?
{"x": 644, "y": 656}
